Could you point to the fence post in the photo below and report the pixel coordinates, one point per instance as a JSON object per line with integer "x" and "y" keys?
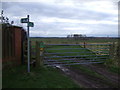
{"x": 111, "y": 50}
{"x": 41, "y": 52}
{"x": 37, "y": 54}
{"x": 84, "y": 45}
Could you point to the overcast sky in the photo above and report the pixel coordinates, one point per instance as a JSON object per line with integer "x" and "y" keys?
{"x": 59, "y": 18}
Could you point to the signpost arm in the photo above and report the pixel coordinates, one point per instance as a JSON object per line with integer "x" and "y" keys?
{"x": 28, "y": 45}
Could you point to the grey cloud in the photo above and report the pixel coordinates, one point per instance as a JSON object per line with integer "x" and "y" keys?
{"x": 53, "y": 11}
{"x": 40, "y": 10}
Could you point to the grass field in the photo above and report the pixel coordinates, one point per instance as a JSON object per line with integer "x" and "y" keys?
{"x": 73, "y": 41}
{"x": 41, "y": 77}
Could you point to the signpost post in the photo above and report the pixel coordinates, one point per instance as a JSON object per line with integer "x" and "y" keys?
{"x": 29, "y": 24}
{"x": 28, "y": 44}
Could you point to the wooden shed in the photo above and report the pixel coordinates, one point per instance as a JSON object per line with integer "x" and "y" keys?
{"x": 13, "y": 38}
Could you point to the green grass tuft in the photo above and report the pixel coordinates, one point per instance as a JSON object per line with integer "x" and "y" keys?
{"x": 38, "y": 78}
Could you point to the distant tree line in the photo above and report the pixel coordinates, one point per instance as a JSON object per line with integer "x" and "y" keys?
{"x": 76, "y": 36}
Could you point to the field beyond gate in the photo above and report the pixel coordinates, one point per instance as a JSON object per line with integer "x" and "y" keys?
{"x": 72, "y": 54}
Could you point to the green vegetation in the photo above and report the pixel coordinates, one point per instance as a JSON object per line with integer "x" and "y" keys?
{"x": 38, "y": 78}
{"x": 113, "y": 62}
{"x": 114, "y": 69}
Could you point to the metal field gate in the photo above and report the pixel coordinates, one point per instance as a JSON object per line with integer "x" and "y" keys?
{"x": 73, "y": 54}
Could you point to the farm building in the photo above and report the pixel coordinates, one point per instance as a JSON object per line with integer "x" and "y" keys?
{"x": 13, "y": 40}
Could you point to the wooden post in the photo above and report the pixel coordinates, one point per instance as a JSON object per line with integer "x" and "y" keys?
{"x": 41, "y": 53}
{"x": 111, "y": 50}
{"x": 41, "y": 58}
{"x": 37, "y": 54}
{"x": 84, "y": 45}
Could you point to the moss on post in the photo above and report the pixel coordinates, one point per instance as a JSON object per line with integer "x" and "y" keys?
{"x": 39, "y": 53}
{"x": 114, "y": 54}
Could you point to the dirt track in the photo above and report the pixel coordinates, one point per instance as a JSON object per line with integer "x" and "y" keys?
{"x": 103, "y": 71}
{"x": 87, "y": 81}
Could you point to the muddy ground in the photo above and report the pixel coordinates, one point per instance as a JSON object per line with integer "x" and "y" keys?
{"x": 108, "y": 80}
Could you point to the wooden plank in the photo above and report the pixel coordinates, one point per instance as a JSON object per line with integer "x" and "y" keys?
{"x": 37, "y": 54}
